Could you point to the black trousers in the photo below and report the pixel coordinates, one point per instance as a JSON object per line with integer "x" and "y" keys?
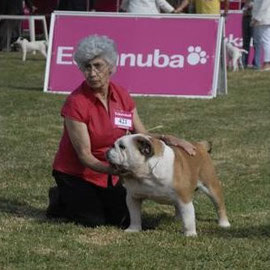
{"x": 247, "y": 32}
{"x": 82, "y": 202}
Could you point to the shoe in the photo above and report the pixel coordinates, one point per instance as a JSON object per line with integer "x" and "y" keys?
{"x": 254, "y": 67}
{"x": 266, "y": 67}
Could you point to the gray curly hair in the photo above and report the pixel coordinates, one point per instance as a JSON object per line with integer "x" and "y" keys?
{"x": 95, "y": 46}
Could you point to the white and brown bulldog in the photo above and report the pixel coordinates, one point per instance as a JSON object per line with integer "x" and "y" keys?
{"x": 153, "y": 170}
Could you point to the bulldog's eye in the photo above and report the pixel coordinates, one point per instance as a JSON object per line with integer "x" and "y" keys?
{"x": 122, "y": 147}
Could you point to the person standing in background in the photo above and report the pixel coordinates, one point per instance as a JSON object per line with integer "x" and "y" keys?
{"x": 261, "y": 31}
{"x": 146, "y": 6}
{"x": 12, "y": 7}
{"x": 210, "y": 6}
{"x": 204, "y": 6}
{"x": 247, "y": 30}
{"x": 76, "y": 5}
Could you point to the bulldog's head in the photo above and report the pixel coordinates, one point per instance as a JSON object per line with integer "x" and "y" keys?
{"x": 133, "y": 153}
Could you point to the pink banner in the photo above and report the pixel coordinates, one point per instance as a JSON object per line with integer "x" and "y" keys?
{"x": 164, "y": 55}
{"x": 233, "y": 28}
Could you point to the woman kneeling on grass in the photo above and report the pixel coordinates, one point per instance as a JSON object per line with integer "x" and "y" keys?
{"x": 88, "y": 190}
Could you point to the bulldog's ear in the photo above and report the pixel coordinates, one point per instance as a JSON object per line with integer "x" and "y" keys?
{"x": 145, "y": 147}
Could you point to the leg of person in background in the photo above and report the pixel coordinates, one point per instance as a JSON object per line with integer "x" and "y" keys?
{"x": 191, "y": 7}
{"x": 257, "y": 47}
{"x": 265, "y": 41}
{"x": 3, "y": 35}
{"x": 91, "y": 5}
{"x": 15, "y": 34}
{"x": 6, "y": 31}
{"x": 247, "y": 34}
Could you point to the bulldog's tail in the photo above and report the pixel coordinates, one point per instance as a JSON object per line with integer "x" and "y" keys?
{"x": 206, "y": 145}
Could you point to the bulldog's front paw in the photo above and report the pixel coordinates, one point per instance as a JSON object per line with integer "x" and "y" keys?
{"x": 190, "y": 233}
{"x": 224, "y": 223}
{"x": 133, "y": 229}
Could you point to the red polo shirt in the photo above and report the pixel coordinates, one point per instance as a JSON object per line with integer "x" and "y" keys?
{"x": 81, "y": 105}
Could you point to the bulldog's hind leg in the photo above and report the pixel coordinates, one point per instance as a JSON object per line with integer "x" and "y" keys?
{"x": 212, "y": 188}
{"x": 134, "y": 208}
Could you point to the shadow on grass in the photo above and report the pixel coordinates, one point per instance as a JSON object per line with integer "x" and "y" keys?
{"x": 150, "y": 222}
{"x": 20, "y": 209}
{"x": 245, "y": 232}
{"x": 23, "y": 209}
{"x": 235, "y": 231}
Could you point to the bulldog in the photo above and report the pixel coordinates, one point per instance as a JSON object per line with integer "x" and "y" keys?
{"x": 31, "y": 46}
{"x": 151, "y": 169}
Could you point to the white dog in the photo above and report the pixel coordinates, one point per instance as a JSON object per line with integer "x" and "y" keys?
{"x": 31, "y": 46}
{"x": 235, "y": 55}
{"x": 150, "y": 169}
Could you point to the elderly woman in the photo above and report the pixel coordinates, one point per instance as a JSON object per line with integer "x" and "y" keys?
{"x": 97, "y": 113}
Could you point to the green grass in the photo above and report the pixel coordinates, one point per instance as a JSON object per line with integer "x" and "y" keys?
{"x": 238, "y": 125}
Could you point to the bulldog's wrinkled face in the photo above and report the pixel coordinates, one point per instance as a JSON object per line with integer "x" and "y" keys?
{"x": 131, "y": 152}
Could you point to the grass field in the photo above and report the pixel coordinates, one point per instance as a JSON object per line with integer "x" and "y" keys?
{"x": 238, "y": 125}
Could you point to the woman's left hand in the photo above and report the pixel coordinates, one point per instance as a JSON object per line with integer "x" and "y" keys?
{"x": 173, "y": 141}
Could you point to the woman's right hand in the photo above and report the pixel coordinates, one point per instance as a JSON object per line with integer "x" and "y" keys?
{"x": 117, "y": 170}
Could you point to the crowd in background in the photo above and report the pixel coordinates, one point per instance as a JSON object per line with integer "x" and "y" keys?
{"x": 255, "y": 23}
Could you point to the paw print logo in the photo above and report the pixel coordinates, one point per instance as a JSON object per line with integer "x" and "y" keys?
{"x": 196, "y": 56}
